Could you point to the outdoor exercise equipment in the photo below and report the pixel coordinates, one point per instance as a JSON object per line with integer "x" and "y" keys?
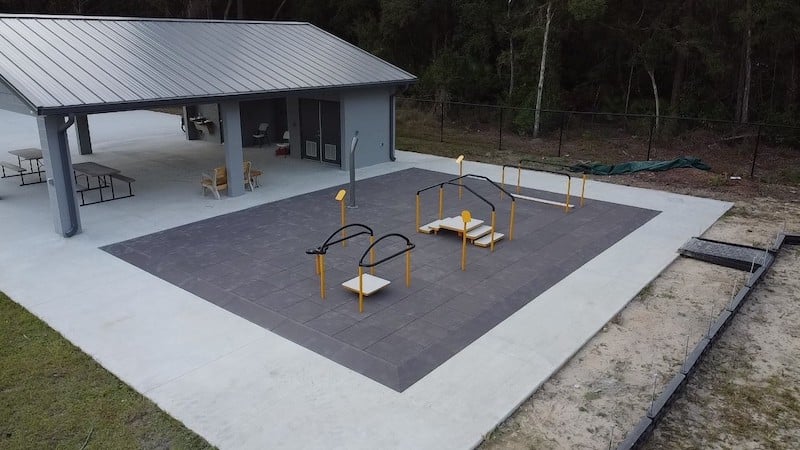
{"x": 477, "y": 233}
{"x": 367, "y": 284}
{"x": 322, "y": 250}
{"x": 527, "y": 164}
{"x": 340, "y": 198}
{"x": 460, "y": 162}
{"x": 353, "y": 146}
{"x": 466, "y": 217}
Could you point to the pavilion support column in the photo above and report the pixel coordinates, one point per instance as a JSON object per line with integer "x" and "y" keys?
{"x": 82, "y": 130}
{"x": 60, "y": 182}
{"x": 234, "y": 156}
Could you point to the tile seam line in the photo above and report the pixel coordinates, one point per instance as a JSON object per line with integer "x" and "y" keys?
{"x": 200, "y": 366}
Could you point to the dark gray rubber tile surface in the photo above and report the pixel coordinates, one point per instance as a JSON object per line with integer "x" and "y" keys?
{"x": 253, "y": 264}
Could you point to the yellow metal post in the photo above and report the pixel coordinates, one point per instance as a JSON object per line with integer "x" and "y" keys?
{"x": 372, "y": 255}
{"x": 360, "y": 289}
{"x": 322, "y": 276}
{"x": 519, "y": 177}
{"x": 502, "y": 180}
{"x": 417, "y": 213}
{"x": 466, "y": 216}
{"x": 491, "y": 244}
{"x": 408, "y": 269}
{"x": 583, "y": 189}
{"x": 511, "y": 227}
{"x": 441, "y": 202}
{"x": 460, "y": 161}
{"x": 569, "y": 188}
{"x": 340, "y": 198}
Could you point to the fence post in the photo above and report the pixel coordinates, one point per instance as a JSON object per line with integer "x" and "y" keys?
{"x": 441, "y": 122}
{"x": 650, "y": 139}
{"x": 500, "y": 142}
{"x": 755, "y": 152}
{"x": 561, "y": 133}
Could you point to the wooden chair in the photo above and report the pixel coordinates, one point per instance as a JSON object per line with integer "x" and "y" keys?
{"x": 251, "y": 175}
{"x": 248, "y": 175}
{"x": 216, "y": 183}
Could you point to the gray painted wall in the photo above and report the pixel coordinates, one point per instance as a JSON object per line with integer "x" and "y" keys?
{"x": 209, "y": 111}
{"x": 10, "y": 102}
{"x": 293, "y": 116}
{"x": 293, "y": 122}
{"x": 271, "y": 111}
{"x": 368, "y": 111}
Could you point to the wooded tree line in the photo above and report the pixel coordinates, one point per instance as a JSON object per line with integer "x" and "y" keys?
{"x": 737, "y": 60}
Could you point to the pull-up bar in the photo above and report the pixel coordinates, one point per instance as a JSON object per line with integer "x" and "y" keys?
{"x": 521, "y": 165}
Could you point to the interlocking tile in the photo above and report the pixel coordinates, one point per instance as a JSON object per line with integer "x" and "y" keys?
{"x": 253, "y": 264}
{"x": 303, "y": 311}
{"x": 331, "y": 322}
{"x": 362, "y": 336}
{"x": 395, "y": 349}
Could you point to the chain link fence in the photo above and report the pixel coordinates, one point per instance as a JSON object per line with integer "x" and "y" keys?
{"x": 500, "y": 134}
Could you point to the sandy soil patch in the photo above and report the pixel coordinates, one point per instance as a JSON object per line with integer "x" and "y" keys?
{"x": 607, "y": 386}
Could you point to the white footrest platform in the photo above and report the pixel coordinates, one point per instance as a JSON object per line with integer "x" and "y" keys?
{"x": 457, "y": 224}
{"x": 430, "y": 227}
{"x": 486, "y": 240}
{"x": 479, "y": 232}
{"x": 372, "y": 284}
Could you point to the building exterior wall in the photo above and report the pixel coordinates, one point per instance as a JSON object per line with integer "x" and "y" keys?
{"x": 10, "y": 102}
{"x": 209, "y": 133}
{"x": 293, "y": 116}
{"x": 365, "y": 110}
{"x": 293, "y": 122}
{"x": 368, "y": 111}
{"x": 271, "y": 111}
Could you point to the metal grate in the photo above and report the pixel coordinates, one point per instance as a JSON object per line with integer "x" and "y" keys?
{"x": 330, "y": 152}
{"x": 311, "y": 149}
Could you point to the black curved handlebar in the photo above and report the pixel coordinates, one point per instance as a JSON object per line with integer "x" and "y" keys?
{"x": 322, "y": 249}
{"x": 409, "y": 247}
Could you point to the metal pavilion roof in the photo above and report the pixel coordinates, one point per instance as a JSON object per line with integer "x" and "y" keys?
{"x": 60, "y": 64}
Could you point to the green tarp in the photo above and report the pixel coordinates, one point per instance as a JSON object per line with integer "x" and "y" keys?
{"x": 638, "y": 166}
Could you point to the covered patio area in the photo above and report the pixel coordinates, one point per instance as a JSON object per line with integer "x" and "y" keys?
{"x": 330, "y": 91}
{"x": 167, "y": 169}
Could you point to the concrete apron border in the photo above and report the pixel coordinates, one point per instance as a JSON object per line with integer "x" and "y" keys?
{"x": 241, "y": 386}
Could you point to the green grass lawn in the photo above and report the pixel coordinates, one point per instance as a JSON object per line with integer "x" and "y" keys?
{"x": 52, "y": 395}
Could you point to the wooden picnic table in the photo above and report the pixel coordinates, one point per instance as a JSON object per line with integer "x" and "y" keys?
{"x": 104, "y": 176}
{"x": 25, "y": 154}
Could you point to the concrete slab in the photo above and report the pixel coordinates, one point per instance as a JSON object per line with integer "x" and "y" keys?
{"x": 244, "y": 387}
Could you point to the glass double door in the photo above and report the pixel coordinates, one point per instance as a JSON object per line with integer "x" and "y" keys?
{"x": 320, "y": 131}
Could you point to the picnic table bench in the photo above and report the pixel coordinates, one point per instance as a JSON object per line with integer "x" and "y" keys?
{"x": 32, "y": 155}
{"x": 104, "y": 177}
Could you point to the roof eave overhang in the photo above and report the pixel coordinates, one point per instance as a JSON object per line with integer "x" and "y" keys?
{"x": 175, "y": 101}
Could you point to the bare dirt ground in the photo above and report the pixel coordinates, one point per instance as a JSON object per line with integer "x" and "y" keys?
{"x": 747, "y": 386}
{"x": 745, "y": 394}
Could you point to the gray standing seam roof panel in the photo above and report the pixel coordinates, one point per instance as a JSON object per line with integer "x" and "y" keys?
{"x": 63, "y": 63}
{"x": 80, "y": 60}
{"x": 104, "y": 57}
